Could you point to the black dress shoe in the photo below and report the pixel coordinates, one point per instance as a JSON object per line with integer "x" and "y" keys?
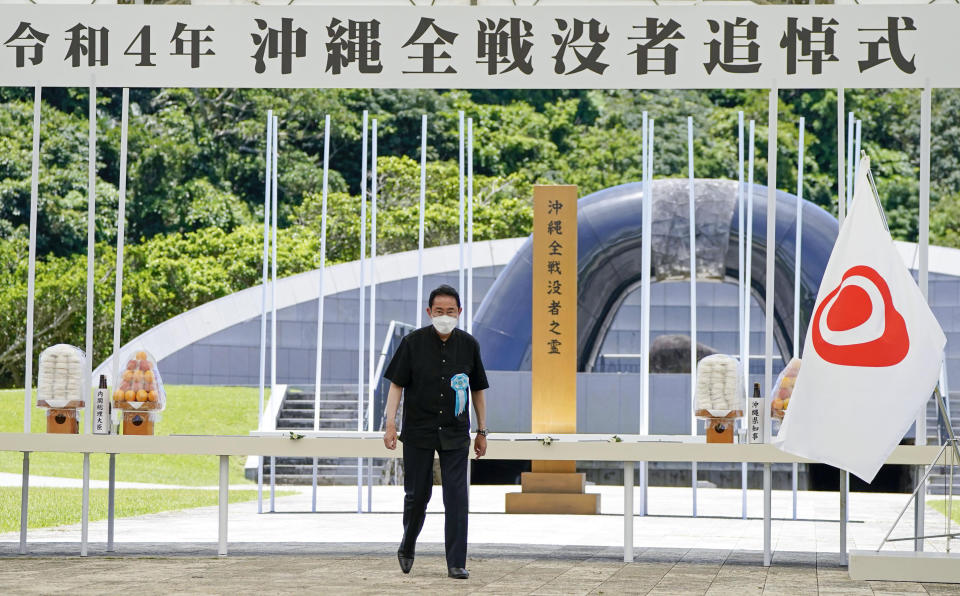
{"x": 406, "y": 563}
{"x": 457, "y": 573}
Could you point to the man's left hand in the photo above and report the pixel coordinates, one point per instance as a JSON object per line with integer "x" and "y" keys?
{"x": 480, "y": 446}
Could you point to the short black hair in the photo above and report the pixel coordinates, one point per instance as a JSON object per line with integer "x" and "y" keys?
{"x": 444, "y": 290}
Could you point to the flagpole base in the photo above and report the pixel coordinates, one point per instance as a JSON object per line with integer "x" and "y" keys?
{"x": 905, "y": 566}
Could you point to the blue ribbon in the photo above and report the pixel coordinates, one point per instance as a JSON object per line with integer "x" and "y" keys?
{"x": 460, "y": 383}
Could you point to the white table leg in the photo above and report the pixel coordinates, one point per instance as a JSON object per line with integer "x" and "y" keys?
{"x": 796, "y": 472}
{"x": 844, "y": 495}
{"x": 643, "y": 488}
{"x": 273, "y": 482}
{"x": 628, "y": 511}
{"x": 24, "y": 499}
{"x": 260, "y": 484}
{"x": 313, "y": 500}
{"x": 370, "y": 482}
{"x": 767, "y": 511}
{"x": 743, "y": 490}
{"x": 918, "y": 513}
{"x": 693, "y": 484}
{"x": 85, "y": 506}
{"x": 111, "y": 490}
{"x": 224, "y": 503}
{"x": 359, "y": 485}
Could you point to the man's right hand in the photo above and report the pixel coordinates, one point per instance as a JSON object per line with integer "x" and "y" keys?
{"x": 390, "y": 437}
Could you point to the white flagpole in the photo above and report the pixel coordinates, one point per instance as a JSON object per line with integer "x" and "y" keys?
{"x": 771, "y": 245}
{"x": 923, "y": 243}
{"x": 373, "y": 280}
{"x": 373, "y": 303}
{"x": 771, "y": 240}
{"x": 850, "y": 134}
{"x": 273, "y": 299}
{"x": 469, "y": 294}
{"x": 118, "y": 294}
{"x": 32, "y": 267}
{"x": 31, "y": 276}
{"x": 856, "y": 151}
{"x": 469, "y": 225}
{"x": 32, "y": 261}
{"x": 841, "y": 190}
{"x": 121, "y": 223}
{"x": 460, "y": 288}
{"x": 91, "y": 248}
{"x": 91, "y": 253}
{"x": 273, "y": 265}
{"x": 797, "y": 260}
{"x": 646, "y": 263}
{"x": 740, "y": 277}
{"x": 748, "y": 266}
{"x": 691, "y": 199}
{"x": 263, "y": 294}
{"x": 692, "y": 217}
{"x": 798, "y": 253}
{"x": 644, "y": 272}
{"x": 644, "y": 316}
{"x": 320, "y": 297}
{"x": 423, "y": 200}
{"x": 843, "y": 193}
{"x": 923, "y": 225}
{"x": 362, "y": 298}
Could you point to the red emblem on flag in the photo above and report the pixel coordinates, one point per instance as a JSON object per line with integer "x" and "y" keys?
{"x": 856, "y": 330}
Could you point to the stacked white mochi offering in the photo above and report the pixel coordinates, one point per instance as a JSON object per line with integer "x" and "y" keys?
{"x": 60, "y": 387}
{"x": 719, "y": 395}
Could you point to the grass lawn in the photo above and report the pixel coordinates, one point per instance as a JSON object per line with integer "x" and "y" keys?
{"x": 190, "y": 410}
{"x": 60, "y": 506}
{"x": 941, "y": 506}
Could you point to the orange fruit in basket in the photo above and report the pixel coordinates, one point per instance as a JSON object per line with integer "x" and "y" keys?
{"x": 148, "y": 376}
{"x": 152, "y": 396}
{"x": 141, "y": 395}
{"x": 778, "y": 404}
{"x": 141, "y": 355}
{"x": 127, "y": 375}
{"x": 786, "y": 403}
{"x": 129, "y": 396}
{"x": 118, "y": 395}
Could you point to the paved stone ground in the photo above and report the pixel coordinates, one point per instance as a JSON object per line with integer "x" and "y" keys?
{"x": 365, "y": 568}
{"x": 342, "y": 552}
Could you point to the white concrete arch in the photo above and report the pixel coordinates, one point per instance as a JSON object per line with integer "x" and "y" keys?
{"x": 216, "y": 315}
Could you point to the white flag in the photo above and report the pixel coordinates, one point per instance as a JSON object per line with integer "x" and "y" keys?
{"x": 872, "y": 354}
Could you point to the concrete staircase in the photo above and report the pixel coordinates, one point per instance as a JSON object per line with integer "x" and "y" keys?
{"x": 937, "y": 484}
{"x": 338, "y": 411}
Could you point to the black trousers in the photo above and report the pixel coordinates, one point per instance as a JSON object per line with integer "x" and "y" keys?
{"x": 417, "y": 488}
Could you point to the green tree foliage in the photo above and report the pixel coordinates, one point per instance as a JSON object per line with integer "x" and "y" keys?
{"x": 196, "y": 163}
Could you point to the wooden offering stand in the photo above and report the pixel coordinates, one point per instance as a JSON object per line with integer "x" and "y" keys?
{"x": 138, "y": 417}
{"x": 62, "y": 419}
{"x": 719, "y": 424}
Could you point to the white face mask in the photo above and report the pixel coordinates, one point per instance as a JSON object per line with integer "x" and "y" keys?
{"x": 444, "y": 324}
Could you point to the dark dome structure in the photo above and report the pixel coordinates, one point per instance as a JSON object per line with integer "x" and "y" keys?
{"x": 609, "y": 262}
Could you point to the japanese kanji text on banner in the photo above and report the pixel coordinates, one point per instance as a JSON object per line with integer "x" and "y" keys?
{"x": 491, "y": 47}
{"x": 554, "y": 347}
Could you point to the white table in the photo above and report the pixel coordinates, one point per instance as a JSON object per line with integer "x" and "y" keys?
{"x": 631, "y": 449}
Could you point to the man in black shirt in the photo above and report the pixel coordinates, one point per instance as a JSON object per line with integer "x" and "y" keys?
{"x": 437, "y": 368}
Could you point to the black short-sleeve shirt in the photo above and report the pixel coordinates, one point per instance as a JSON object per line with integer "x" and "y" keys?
{"x": 424, "y": 366}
